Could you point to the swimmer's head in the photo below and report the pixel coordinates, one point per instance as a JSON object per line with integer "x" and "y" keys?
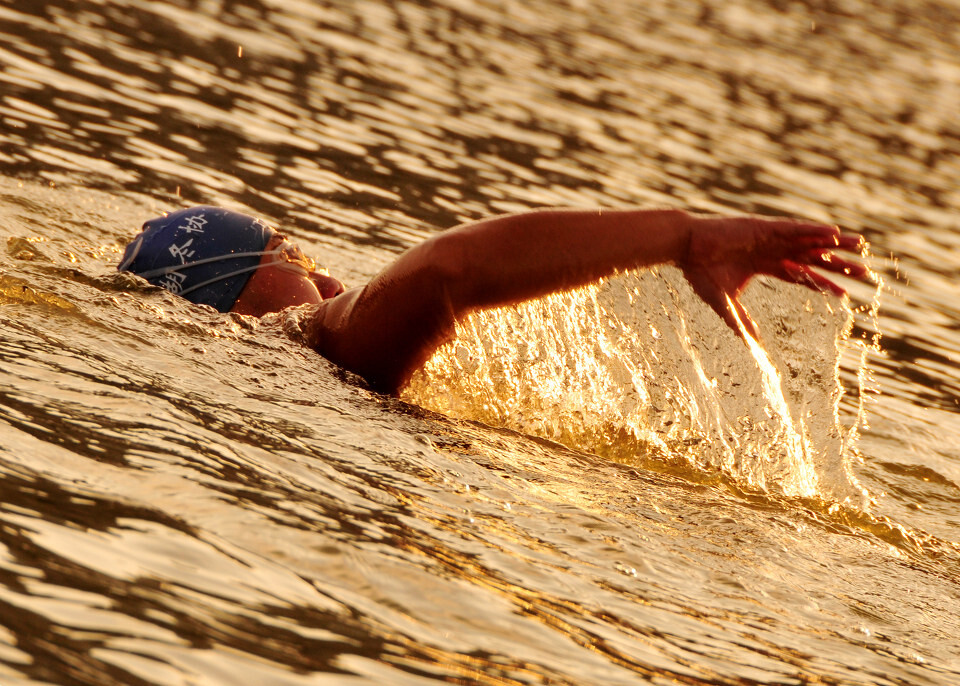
{"x": 228, "y": 260}
{"x": 205, "y": 254}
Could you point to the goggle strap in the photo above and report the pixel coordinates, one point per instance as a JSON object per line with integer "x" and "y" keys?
{"x": 283, "y": 265}
{"x": 221, "y": 278}
{"x": 196, "y": 263}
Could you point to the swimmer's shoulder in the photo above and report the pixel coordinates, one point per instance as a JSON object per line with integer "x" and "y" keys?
{"x": 368, "y": 333}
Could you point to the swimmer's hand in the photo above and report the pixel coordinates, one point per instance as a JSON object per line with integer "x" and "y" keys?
{"x": 725, "y": 253}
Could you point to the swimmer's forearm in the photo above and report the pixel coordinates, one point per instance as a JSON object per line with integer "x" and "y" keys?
{"x": 508, "y": 259}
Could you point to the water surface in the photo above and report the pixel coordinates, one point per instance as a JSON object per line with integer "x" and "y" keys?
{"x": 601, "y": 488}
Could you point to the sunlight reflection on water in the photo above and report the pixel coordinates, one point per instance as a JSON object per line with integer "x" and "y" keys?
{"x": 190, "y": 497}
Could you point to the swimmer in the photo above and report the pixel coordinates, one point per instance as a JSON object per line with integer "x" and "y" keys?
{"x": 388, "y": 328}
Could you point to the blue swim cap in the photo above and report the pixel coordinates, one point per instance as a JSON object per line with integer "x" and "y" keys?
{"x": 205, "y": 254}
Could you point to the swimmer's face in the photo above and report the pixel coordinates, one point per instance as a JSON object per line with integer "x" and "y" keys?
{"x": 284, "y": 280}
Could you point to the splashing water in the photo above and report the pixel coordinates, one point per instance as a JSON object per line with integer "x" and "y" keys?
{"x": 640, "y": 371}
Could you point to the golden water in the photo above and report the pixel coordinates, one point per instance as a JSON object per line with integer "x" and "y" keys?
{"x": 605, "y": 487}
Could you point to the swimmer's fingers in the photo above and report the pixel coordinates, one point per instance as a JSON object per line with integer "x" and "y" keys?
{"x": 794, "y": 272}
{"x": 802, "y": 236}
{"x": 806, "y": 233}
{"x": 853, "y": 243}
{"x": 828, "y": 261}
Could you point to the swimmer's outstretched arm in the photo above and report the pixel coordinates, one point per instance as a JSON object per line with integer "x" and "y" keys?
{"x": 389, "y": 328}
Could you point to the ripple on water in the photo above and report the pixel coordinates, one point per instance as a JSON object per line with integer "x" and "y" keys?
{"x": 189, "y": 496}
